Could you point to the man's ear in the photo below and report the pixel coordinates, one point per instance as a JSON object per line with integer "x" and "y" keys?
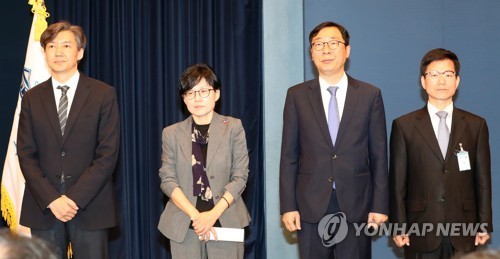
{"x": 80, "y": 54}
{"x": 422, "y": 82}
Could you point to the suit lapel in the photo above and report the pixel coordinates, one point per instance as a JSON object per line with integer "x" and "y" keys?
{"x": 458, "y": 127}
{"x": 351, "y": 102}
{"x": 81, "y": 94}
{"x": 217, "y": 129}
{"x": 183, "y": 134}
{"x": 318, "y": 110}
{"x": 49, "y": 105}
{"x": 424, "y": 127}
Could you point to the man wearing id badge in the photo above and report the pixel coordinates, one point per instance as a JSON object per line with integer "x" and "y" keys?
{"x": 440, "y": 169}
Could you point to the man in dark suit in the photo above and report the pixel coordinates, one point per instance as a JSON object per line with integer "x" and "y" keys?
{"x": 440, "y": 167}
{"x": 67, "y": 143}
{"x": 322, "y": 171}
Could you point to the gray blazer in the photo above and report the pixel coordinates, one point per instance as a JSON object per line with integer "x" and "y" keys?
{"x": 227, "y": 170}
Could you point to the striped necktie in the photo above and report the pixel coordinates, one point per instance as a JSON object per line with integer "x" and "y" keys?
{"x": 62, "y": 110}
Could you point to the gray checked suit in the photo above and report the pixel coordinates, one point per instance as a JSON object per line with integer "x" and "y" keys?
{"x": 227, "y": 170}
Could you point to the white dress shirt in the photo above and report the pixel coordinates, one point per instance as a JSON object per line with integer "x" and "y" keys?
{"x": 72, "y": 83}
{"x": 341, "y": 94}
{"x": 435, "y": 119}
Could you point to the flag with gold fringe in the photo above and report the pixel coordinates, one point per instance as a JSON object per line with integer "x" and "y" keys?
{"x": 34, "y": 72}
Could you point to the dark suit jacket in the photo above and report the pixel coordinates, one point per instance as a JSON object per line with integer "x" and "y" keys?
{"x": 87, "y": 154}
{"x": 425, "y": 188}
{"x": 357, "y": 162}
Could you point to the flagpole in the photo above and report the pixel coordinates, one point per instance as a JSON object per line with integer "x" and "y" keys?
{"x": 34, "y": 72}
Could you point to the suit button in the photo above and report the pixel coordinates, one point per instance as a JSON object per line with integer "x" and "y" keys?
{"x": 217, "y": 197}
{"x": 63, "y": 153}
{"x": 443, "y": 199}
{"x": 445, "y": 171}
{"x": 330, "y": 179}
{"x": 334, "y": 156}
{"x": 212, "y": 177}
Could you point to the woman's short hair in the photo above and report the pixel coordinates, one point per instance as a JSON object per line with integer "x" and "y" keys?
{"x": 193, "y": 75}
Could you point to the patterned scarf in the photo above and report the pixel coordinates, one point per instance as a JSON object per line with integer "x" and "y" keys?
{"x": 201, "y": 185}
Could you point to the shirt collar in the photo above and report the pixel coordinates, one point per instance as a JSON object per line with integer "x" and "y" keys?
{"x": 341, "y": 84}
{"x": 72, "y": 81}
{"x": 433, "y": 109}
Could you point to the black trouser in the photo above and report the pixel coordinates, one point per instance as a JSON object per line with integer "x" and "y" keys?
{"x": 91, "y": 244}
{"x": 84, "y": 243}
{"x": 311, "y": 246}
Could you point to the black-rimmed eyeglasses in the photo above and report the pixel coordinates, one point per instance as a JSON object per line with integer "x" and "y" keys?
{"x": 333, "y": 44}
{"x": 204, "y": 93}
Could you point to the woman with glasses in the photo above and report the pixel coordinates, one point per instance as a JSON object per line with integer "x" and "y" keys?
{"x": 204, "y": 171}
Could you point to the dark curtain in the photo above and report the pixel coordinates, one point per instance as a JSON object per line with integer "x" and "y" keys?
{"x": 141, "y": 48}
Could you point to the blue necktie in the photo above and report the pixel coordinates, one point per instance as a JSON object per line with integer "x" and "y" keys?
{"x": 443, "y": 132}
{"x": 333, "y": 114}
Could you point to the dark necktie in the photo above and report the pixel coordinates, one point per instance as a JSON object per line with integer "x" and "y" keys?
{"x": 62, "y": 110}
{"x": 443, "y": 132}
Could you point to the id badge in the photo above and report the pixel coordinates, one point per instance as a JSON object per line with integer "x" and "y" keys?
{"x": 463, "y": 159}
